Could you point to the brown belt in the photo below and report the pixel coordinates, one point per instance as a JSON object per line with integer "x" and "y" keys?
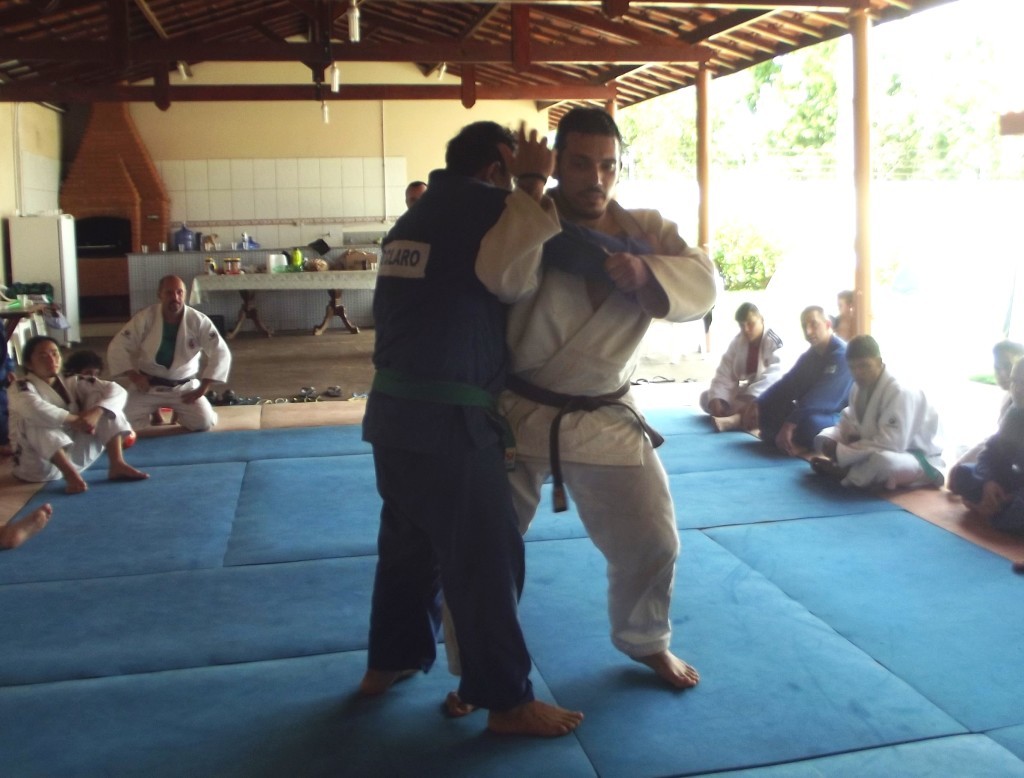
{"x": 568, "y": 403}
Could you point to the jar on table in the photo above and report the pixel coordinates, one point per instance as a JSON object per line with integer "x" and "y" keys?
{"x": 233, "y": 266}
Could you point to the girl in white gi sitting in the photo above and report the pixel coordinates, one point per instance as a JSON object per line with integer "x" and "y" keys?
{"x": 61, "y": 425}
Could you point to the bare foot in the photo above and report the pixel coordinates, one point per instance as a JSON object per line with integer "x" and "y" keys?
{"x": 75, "y": 484}
{"x": 17, "y": 532}
{"x": 727, "y": 423}
{"x": 671, "y": 668}
{"x": 125, "y": 472}
{"x": 534, "y": 718}
{"x": 455, "y": 708}
{"x": 379, "y": 681}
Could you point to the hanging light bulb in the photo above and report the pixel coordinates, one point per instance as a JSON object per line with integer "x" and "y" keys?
{"x": 335, "y": 77}
{"x": 442, "y": 70}
{"x": 353, "y": 22}
{"x": 325, "y": 111}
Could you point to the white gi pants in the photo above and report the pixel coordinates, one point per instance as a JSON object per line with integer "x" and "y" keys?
{"x": 197, "y": 416}
{"x": 35, "y": 446}
{"x": 887, "y": 470}
{"x": 627, "y": 512}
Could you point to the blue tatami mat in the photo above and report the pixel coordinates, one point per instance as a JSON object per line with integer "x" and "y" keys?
{"x": 677, "y": 421}
{"x": 1011, "y": 738}
{"x": 942, "y": 613}
{"x": 139, "y": 624}
{"x": 719, "y": 451}
{"x": 965, "y": 755}
{"x": 247, "y": 445}
{"x": 178, "y": 519}
{"x": 295, "y": 718}
{"x": 305, "y": 508}
{"x": 777, "y": 683}
{"x": 722, "y": 497}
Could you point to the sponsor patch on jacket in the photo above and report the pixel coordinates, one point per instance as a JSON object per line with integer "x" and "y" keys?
{"x": 404, "y": 259}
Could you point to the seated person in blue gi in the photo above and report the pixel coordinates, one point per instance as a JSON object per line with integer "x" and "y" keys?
{"x": 810, "y": 396}
{"x": 749, "y": 366}
{"x": 993, "y": 488}
{"x": 1004, "y": 355}
{"x": 888, "y": 436}
{"x": 170, "y": 355}
{"x": 60, "y": 426}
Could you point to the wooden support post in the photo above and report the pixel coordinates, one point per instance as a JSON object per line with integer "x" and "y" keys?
{"x": 860, "y": 26}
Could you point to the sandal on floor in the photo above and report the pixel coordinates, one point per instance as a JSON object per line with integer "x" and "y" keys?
{"x": 660, "y": 379}
{"x": 332, "y": 391}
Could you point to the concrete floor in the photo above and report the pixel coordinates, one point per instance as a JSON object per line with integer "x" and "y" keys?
{"x": 280, "y": 366}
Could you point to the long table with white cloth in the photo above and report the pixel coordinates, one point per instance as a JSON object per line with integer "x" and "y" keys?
{"x": 334, "y": 282}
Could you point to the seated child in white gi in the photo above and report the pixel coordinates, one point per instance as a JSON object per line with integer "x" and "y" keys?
{"x": 61, "y": 425}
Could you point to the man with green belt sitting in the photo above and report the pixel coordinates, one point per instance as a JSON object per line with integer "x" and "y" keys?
{"x": 160, "y": 353}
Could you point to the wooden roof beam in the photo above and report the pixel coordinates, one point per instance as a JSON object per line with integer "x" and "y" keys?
{"x": 72, "y": 93}
{"x": 446, "y": 51}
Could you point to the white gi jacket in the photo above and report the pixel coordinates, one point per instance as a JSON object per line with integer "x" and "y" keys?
{"x": 38, "y": 415}
{"x": 559, "y": 342}
{"x": 896, "y": 420}
{"x": 732, "y": 379}
{"x": 136, "y": 345}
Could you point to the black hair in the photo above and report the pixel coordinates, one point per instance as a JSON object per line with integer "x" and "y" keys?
{"x": 745, "y": 310}
{"x": 476, "y": 147}
{"x": 33, "y": 343}
{"x": 846, "y": 296}
{"x": 588, "y": 121}
{"x": 861, "y": 347}
{"x": 78, "y": 362}
{"x": 415, "y": 183}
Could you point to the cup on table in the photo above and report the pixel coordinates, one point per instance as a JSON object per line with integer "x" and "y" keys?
{"x": 145, "y": 249}
{"x": 181, "y": 247}
{"x": 163, "y": 245}
{"x": 234, "y": 245}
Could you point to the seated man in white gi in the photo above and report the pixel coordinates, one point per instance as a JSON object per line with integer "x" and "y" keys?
{"x": 749, "y": 366}
{"x": 888, "y": 436}
{"x": 61, "y": 425}
{"x": 170, "y": 355}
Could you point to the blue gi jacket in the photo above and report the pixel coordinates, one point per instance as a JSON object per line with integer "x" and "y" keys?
{"x": 435, "y": 320}
{"x": 817, "y": 384}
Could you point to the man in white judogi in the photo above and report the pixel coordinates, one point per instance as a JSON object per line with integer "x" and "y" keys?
{"x": 750, "y": 365}
{"x": 170, "y": 355}
{"x": 888, "y": 436}
{"x": 574, "y": 347}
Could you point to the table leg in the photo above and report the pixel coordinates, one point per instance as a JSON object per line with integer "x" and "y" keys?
{"x": 249, "y": 311}
{"x": 335, "y": 308}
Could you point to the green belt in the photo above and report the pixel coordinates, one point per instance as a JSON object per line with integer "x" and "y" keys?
{"x": 933, "y": 475}
{"x": 397, "y": 384}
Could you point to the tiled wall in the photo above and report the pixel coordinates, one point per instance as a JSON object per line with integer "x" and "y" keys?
{"x": 40, "y": 181}
{"x": 284, "y": 202}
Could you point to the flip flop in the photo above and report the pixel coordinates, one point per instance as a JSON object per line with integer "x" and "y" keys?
{"x": 333, "y": 391}
{"x": 660, "y": 379}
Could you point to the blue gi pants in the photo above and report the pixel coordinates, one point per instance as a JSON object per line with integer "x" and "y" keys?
{"x": 448, "y": 520}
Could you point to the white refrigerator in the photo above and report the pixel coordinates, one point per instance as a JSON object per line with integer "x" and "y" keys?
{"x": 43, "y": 251}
